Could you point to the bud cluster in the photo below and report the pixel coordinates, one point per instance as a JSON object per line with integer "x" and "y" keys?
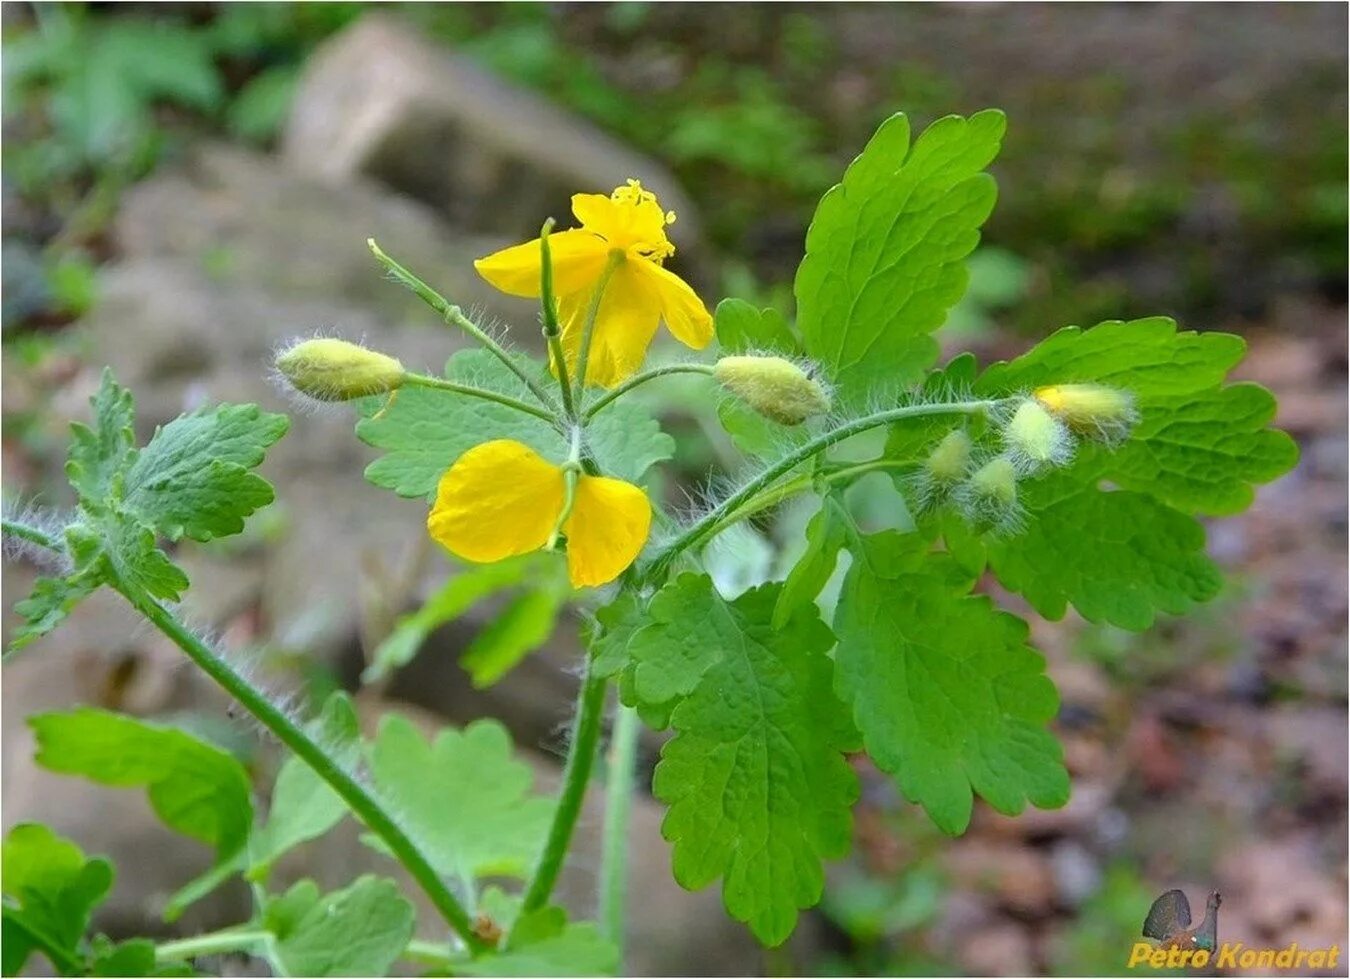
{"x": 1038, "y": 432}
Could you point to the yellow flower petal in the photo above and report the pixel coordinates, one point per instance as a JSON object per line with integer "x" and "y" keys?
{"x": 578, "y": 259}
{"x": 628, "y": 218}
{"x": 685, "y": 315}
{"x": 498, "y": 500}
{"x": 608, "y": 525}
{"x": 624, "y": 326}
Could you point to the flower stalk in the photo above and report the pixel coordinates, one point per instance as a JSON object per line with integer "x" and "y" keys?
{"x": 616, "y": 258}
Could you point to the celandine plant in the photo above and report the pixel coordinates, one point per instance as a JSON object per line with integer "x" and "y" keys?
{"x": 1074, "y": 475}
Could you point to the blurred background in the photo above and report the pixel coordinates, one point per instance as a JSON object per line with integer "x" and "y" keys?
{"x": 187, "y": 184}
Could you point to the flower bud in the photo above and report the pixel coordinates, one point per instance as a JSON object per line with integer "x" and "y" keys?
{"x": 949, "y": 462}
{"x": 989, "y": 498}
{"x": 335, "y": 370}
{"x": 1093, "y": 409}
{"x": 774, "y": 387}
{"x": 1036, "y": 438}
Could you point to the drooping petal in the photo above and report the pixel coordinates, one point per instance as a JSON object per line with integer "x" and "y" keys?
{"x": 685, "y": 315}
{"x": 498, "y": 500}
{"x": 608, "y": 525}
{"x": 578, "y": 259}
{"x": 624, "y": 325}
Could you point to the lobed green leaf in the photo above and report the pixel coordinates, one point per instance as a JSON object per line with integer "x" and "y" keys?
{"x": 357, "y": 931}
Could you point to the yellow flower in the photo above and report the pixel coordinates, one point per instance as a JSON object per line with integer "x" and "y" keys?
{"x": 501, "y": 499}
{"x": 630, "y": 225}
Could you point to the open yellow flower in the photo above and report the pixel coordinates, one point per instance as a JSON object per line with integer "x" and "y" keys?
{"x": 501, "y": 499}
{"x": 630, "y": 226}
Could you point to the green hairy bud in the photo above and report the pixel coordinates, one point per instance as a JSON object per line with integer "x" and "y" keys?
{"x": 337, "y": 370}
{"x": 950, "y": 461}
{"x": 775, "y": 387}
{"x": 1093, "y": 409}
{"x": 995, "y": 482}
{"x": 1035, "y": 438}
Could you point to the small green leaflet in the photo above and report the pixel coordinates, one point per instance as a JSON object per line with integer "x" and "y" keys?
{"x": 947, "y": 694}
{"x": 135, "y": 957}
{"x": 758, "y": 789}
{"x": 827, "y": 533}
{"x": 516, "y": 630}
{"x": 423, "y": 431}
{"x": 741, "y": 328}
{"x": 193, "y": 478}
{"x": 607, "y": 638}
{"x": 98, "y": 456}
{"x": 885, "y": 253}
{"x": 303, "y": 806}
{"x": 544, "y": 943}
{"x": 195, "y": 788}
{"x": 466, "y": 799}
{"x": 51, "y": 601}
{"x": 1199, "y": 446}
{"x": 50, "y": 890}
{"x": 357, "y": 931}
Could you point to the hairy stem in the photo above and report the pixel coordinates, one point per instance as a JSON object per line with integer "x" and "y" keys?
{"x": 549, "y": 308}
{"x": 618, "y": 806}
{"x": 241, "y": 939}
{"x": 714, "y": 518}
{"x": 616, "y": 258}
{"x": 441, "y": 384}
{"x": 643, "y": 378}
{"x": 454, "y": 316}
{"x": 33, "y": 535}
{"x": 576, "y": 774}
{"x": 366, "y": 807}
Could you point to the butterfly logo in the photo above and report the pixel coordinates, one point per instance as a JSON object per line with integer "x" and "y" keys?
{"x": 1169, "y": 922}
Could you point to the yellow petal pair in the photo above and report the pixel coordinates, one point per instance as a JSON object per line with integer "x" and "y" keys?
{"x": 640, "y": 293}
{"x": 501, "y": 499}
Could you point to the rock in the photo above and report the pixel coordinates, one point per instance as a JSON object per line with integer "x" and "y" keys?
{"x": 381, "y": 101}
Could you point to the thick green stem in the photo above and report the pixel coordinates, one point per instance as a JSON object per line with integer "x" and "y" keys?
{"x": 616, "y": 258}
{"x": 454, "y": 316}
{"x": 732, "y": 504}
{"x": 549, "y": 308}
{"x": 576, "y": 775}
{"x": 643, "y": 378}
{"x": 214, "y": 943}
{"x": 441, "y": 384}
{"x": 366, "y": 807}
{"x": 618, "y": 805}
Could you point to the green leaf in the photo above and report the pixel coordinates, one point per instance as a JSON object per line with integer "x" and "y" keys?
{"x": 758, "y": 789}
{"x": 1118, "y": 557}
{"x": 357, "y": 931}
{"x": 193, "y": 478}
{"x": 758, "y": 436}
{"x": 304, "y": 807}
{"x": 543, "y": 943}
{"x": 828, "y": 531}
{"x": 885, "y": 251}
{"x": 135, "y": 957}
{"x": 115, "y": 547}
{"x": 741, "y": 328}
{"x": 258, "y": 112}
{"x": 465, "y": 797}
{"x": 627, "y": 441}
{"x": 50, "y": 890}
{"x": 947, "y": 694}
{"x": 98, "y": 456}
{"x": 52, "y": 599}
{"x": 607, "y": 639}
{"x": 521, "y": 627}
{"x": 1198, "y": 446}
{"x": 194, "y": 787}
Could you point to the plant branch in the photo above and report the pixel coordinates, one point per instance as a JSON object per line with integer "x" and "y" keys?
{"x": 240, "y": 939}
{"x": 616, "y": 258}
{"x": 713, "y": 519}
{"x": 549, "y": 309}
{"x": 618, "y": 806}
{"x": 454, "y": 316}
{"x": 643, "y": 378}
{"x": 576, "y": 775}
{"x": 34, "y": 535}
{"x": 357, "y": 796}
{"x": 441, "y": 384}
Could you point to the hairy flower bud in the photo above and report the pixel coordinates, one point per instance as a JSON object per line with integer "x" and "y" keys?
{"x": 949, "y": 462}
{"x": 1093, "y": 409}
{"x": 775, "y": 387}
{"x": 989, "y": 498}
{"x": 336, "y": 370}
{"x": 1036, "y": 438}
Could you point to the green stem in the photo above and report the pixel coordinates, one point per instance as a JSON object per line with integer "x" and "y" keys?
{"x": 618, "y": 805}
{"x": 714, "y": 518}
{"x": 454, "y": 316}
{"x": 616, "y": 258}
{"x": 549, "y": 307}
{"x": 33, "y": 535}
{"x": 213, "y": 943}
{"x": 576, "y": 775}
{"x": 433, "y": 955}
{"x": 643, "y": 378}
{"x": 366, "y": 807}
{"x": 441, "y": 384}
